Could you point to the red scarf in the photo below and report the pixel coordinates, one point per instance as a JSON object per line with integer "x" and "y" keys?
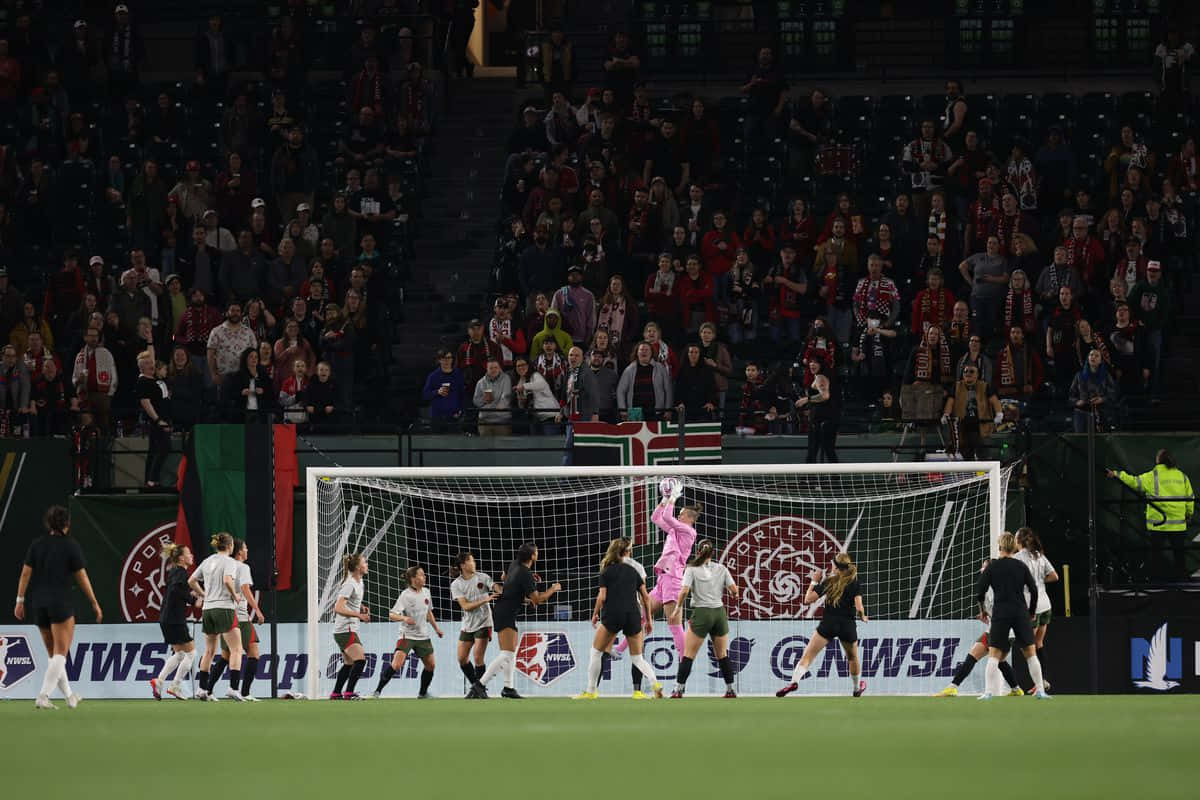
{"x": 414, "y": 100}
{"x": 1006, "y": 228}
{"x": 933, "y": 307}
{"x": 984, "y": 217}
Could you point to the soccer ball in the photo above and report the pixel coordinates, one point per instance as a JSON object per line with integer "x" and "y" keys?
{"x": 669, "y": 487}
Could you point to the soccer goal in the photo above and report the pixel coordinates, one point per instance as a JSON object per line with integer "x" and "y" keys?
{"x": 918, "y": 532}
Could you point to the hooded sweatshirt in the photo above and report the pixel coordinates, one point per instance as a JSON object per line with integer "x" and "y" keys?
{"x": 552, "y": 327}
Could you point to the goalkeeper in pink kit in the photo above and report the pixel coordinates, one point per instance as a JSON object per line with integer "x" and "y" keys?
{"x": 681, "y": 535}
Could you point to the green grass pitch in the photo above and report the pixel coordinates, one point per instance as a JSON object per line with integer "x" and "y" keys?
{"x": 750, "y": 748}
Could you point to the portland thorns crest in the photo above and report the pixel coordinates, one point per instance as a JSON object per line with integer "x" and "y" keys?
{"x": 770, "y": 560}
{"x": 143, "y": 574}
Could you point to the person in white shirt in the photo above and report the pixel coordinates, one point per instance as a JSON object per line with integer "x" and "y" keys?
{"x": 216, "y": 582}
{"x": 473, "y": 591}
{"x": 707, "y": 582}
{"x": 414, "y": 611}
{"x": 1043, "y": 573}
{"x": 349, "y": 610}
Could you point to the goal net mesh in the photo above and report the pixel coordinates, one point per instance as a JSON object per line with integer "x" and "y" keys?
{"x": 918, "y": 537}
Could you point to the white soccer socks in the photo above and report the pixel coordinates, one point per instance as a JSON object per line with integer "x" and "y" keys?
{"x": 595, "y": 663}
{"x": 171, "y": 665}
{"x": 991, "y": 677}
{"x": 1035, "y": 671}
{"x": 798, "y": 675}
{"x": 644, "y": 667}
{"x": 185, "y": 666}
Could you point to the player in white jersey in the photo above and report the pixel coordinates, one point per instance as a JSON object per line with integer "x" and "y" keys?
{"x": 414, "y": 611}
{"x": 216, "y": 582}
{"x": 978, "y": 650}
{"x": 1043, "y": 573}
{"x": 707, "y": 582}
{"x": 247, "y": 610}
{"x": 349, "y": 610}
{"x": 473, "y": 591}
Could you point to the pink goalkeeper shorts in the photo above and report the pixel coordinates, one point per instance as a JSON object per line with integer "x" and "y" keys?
{"x": 666, "y": 589}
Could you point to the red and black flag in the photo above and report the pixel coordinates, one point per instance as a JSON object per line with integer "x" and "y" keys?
{"x": 226, "y": 483}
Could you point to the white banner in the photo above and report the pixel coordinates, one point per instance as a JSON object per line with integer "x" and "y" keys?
{"x": 897, "y": 657}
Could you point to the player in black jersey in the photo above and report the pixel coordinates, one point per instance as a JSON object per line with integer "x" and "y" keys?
{"x": 843, "y": 600}
{"x": 177, "y": 596}
{"x": 1008, "y": 578}
{"x": 617, "y": 611}
{"x": 520, "y": 584}
{"x": 53, "y": 563}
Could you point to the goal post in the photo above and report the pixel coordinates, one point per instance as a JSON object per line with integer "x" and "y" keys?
{"x": 918, "y": 532}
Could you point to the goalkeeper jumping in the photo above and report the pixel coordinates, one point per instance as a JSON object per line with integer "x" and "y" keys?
{"x": 677, "y": 549}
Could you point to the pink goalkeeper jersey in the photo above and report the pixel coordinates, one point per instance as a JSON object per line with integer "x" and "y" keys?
{"x": 677, "y": 548}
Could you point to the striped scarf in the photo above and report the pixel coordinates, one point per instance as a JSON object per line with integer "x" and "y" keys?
{"x": 937, "y": 225}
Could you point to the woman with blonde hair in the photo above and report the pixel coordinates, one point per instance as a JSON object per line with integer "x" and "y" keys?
{"x": 172, "y": 621}
{"x": 216, "y": 582}
{"x": 843, "y": 601}
{"x": 706, "y": 581}
{"x": 617, "y": 611}
{"x": 1014, "y": 604}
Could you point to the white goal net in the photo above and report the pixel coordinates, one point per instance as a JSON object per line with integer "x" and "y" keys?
{"x": 918, "y": 533}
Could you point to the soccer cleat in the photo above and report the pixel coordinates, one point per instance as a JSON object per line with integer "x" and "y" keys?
{"x": 658, "y": 691}
{"x": 585, "y": 695}
{"x": 862, "y": 687}
{"x": 985, "y": 696}
{"x": 479, "y": 691}
{"x": 426, "y": 696}
{"x": 1042, "y": 695}
{"x": 249, "y": 698}
{"x": 375, "y": 695}
{"x": 176, "y": 691}
{"x": 1016, "y": 692}
{"x": 949, "y": 691}
{"x": 74, "y": 700}
{"x": 156, "y": 688}
{"x": 351, "y": 696}
{"x": 785, "y": 691}
{"x": 510, "y": 693}
{"x": 201, "y": 694}
{"x": 640, "y": 695}
{"x": 43, "y": 702}
{"x": 335, "y": 695}
{"x": 234, "y": 694}
{"x": 730, "y": 693}
{"x": 677, "y": 694}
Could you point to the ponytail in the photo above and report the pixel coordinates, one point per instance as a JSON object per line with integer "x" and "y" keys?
{"x": 351, "y": 562}
{"x": 221, "y": 541}
{"x": 703, "y": 553}
{"x": 835, "y": 585}
{"x": 617, "y": 549}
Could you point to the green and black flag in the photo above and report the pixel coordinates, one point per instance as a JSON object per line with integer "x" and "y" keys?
{"x": 226, "y": 483}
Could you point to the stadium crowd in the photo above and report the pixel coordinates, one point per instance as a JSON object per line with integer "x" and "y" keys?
{"x": 758, "y": 241}
{"x": 217, "y": 249}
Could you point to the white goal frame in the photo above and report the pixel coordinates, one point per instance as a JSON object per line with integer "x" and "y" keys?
{"x": 993, "y": 470}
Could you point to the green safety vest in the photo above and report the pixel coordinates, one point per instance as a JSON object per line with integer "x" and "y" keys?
{"x": 1162, "y": 481}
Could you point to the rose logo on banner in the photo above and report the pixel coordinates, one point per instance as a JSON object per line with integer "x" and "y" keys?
{"x": 771, "y": 559}
{"x": 545, "y": 657}
{"x": 16, "y": 660}
{"x": 142, "y": 577}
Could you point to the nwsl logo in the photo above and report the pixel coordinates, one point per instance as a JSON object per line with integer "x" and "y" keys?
{"x": 16, "y": 660}
{"x": 545, "y": 657}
